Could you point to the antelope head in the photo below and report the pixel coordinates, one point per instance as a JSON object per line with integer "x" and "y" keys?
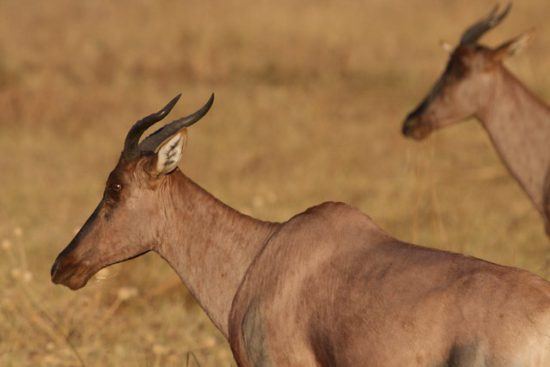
{"x": 465, "y": 85}
{"x": 128, "y": 219}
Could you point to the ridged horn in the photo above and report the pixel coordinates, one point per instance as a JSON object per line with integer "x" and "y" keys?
{"x": 151, "y": 143}
{"x": 478, "y": 29}
{"x": 131, "y": 143}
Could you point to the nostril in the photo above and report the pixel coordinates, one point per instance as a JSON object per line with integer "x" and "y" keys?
{"x": 55, "y": 267}
{"x": 407, "y": 127}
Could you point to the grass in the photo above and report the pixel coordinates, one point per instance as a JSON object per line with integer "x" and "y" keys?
{"x": 310, "y": 97}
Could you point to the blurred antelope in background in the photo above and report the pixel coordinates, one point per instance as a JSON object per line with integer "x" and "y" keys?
{"x": 326, "y": 288}
{"x": 475, "y": 83}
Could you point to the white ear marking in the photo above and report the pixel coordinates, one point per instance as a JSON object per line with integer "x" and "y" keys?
{"x": 169, "y": 154}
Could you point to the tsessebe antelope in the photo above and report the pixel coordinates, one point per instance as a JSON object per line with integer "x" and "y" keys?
{"x": 326, "y": 288}
{"x": 476, "y": 83}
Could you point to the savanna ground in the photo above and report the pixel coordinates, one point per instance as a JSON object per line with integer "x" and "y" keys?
{"x": 310, "y": 97}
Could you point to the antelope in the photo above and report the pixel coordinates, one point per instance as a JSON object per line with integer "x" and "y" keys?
{"x": 475, "y": 83}
{"x": 328, "y": 287}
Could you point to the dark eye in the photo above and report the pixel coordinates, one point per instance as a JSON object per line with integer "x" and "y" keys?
{"x": 116, "y": 187}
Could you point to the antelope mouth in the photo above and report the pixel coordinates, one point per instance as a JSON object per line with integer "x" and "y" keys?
{"x": 71, "y": 275}
{"x": 76, "y": 274}
{"x": 416, "y": 129}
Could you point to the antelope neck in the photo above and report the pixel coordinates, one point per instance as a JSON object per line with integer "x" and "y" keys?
{"x": 518, "y": 124}
{"x": 208, "y": 244}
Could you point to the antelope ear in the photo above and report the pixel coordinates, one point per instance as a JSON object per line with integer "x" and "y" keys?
{"x": 169, "y": 153}
{"x": 513, "y": 46}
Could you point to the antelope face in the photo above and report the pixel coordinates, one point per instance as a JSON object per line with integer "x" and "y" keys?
{"x": 457, "y": 95}
{"x": 468, "y": 82}
{"x": 128, "y": 220}
{"x": 119, "y": 228}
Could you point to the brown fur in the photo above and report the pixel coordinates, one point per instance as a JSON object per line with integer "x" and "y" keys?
{"x": 332, "y": 289}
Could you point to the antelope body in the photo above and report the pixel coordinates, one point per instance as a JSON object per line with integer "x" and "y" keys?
{"x": 326, "y": 288}
{"x": 476, "y": 83}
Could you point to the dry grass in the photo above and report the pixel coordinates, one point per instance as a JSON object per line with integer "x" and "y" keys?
{"x": 310, "y": 96}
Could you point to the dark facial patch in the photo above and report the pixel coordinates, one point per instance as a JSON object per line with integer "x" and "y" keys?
{"x": 112, "y": 194}
{"x": 456, "y": 67}
{"x": 113, "y": 190}
{"x": 465, "y": 356}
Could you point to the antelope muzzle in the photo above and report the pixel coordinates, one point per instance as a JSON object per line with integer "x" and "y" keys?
{"x": 73, "y": 267}
{"x": 416, "y": 126}
{"x": 71, "y": 272}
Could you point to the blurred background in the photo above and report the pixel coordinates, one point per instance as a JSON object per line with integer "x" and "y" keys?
{"x": 310, "y": 96}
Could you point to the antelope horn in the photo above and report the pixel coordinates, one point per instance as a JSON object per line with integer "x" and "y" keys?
{"x": 131, "y": 144}
{"x": 151, "y": 143}
{"x": 475, "y": 31}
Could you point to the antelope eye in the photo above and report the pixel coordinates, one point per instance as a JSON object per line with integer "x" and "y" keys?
{"x": 116, "y": 187}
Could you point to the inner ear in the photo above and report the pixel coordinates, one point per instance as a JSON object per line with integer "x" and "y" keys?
{"x": 169, "y": 153}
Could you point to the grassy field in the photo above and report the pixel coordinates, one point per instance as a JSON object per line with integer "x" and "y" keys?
{"x": 310, "y": 97}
